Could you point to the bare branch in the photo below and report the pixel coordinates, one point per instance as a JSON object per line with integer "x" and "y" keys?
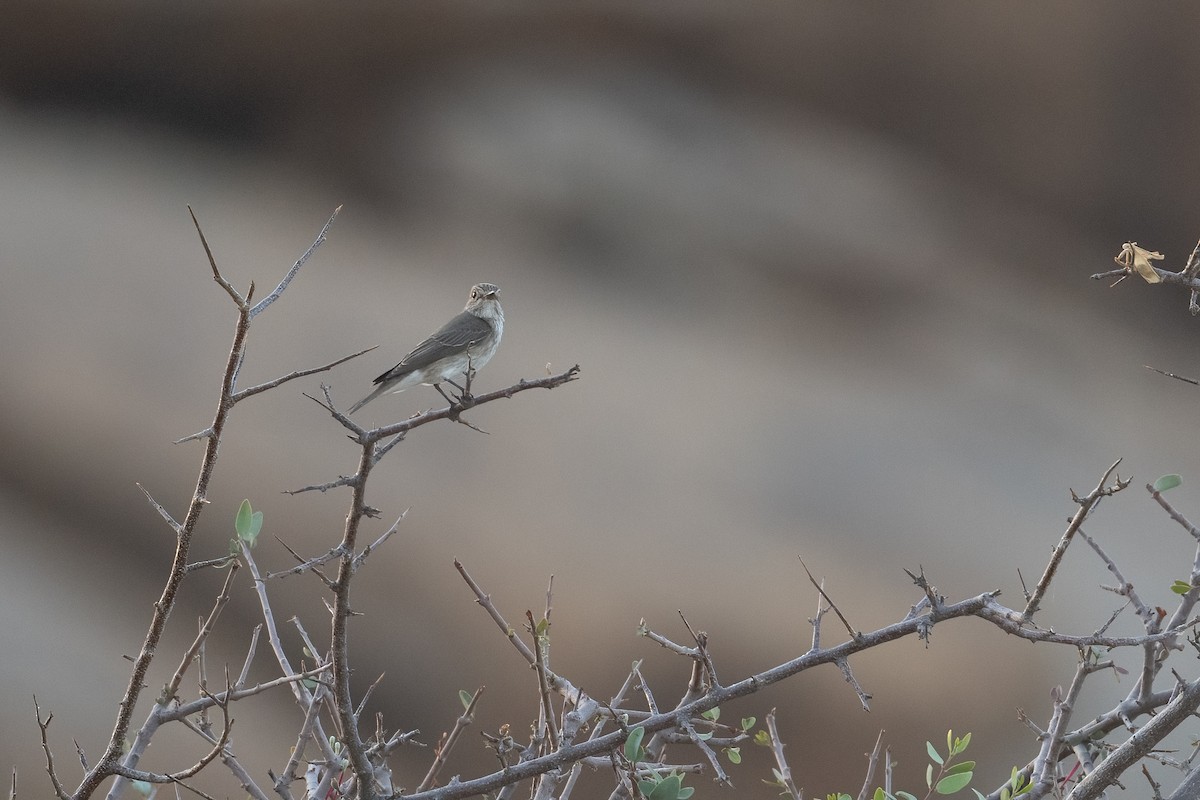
{"x": 172, "y": 686}
{"x": 1086, "y": 504}
{"x": 485, "y": 600}
{"x": 291, "y": 376}
{"x": 175, "y": 526}
{"x": 291, "y": 273}
{"x": 443, "y": 750}
{"x": 375, "y": 545}
{"x": 541, "y": 641}
{"x": 1139, "y": 744}
{"x": 872, "y": 762}
{"x": 45, "y": 728}
{"x": 217, "y": 276}
{"x": 820, "y": 588}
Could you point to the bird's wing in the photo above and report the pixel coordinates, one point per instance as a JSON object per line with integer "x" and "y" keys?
{"x": 450, "y": 339}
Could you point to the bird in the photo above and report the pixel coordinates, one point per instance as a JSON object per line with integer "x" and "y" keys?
{"x": 466, "y": 342}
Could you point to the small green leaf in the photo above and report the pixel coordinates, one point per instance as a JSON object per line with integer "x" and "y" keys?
{"x": 647, "y": 787}
{"x": 979, "y": 794}
{"x": 1167, "y": 482}
{"x": 542, "y": 626}
{"x": 686, "y": 792}
{"x": 734, "y": 754}
{"x": 1181, "y": 587}
{"x": 880, "y": 794}
{"x": 906, "y": 796}
{"x": 634, "y": 743}
{"x": 748, "y": 723}
{"x": 963, "y": 766}
{"x": 143, "y": 788}
{"x": 929, "y": 775}
{"x": 950, "y": 743}
{"x": 241, "y": 523}
{"x": 960, "y": 745}
{"x": 713, "y": 714}
{"x": 762, "y": 738}
{"x": 704, "y": 737}
{"x": 953, "y": 783}
{"x": 464, "y": 697}
{"x": 933, "y": 753}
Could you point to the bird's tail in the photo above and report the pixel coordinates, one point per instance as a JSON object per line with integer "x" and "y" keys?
{"x": 383, "y": 387}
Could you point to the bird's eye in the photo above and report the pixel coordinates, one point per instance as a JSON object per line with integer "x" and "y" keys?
{"x": 474, "y": 295}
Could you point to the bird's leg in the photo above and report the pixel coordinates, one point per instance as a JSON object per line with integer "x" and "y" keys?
{"x": 438, "y": 386}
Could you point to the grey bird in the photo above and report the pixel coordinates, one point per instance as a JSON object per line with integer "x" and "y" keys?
{"x": 466, "y": 342}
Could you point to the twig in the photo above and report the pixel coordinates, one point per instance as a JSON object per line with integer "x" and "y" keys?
{"x": 1086, "y": 504}
{"x": 541, "y": 643}
{"x": 166, "y": 515}
{"x": 784, "y": 771}
{"x": 872, "y": 762}
{"x": 708, "y": 752}
{"x": 45, "y": 727}
{"x": 485, "y": 600}
{"x": 1192, "y": 381}
{"x": 295, "y": 268}
{"x": 849, "y": 628}
{"x": 242, "y": 394}
{"x": 375, "y": 545}
{"x": 222, "y": 600}
{"x": 460, "y": 724}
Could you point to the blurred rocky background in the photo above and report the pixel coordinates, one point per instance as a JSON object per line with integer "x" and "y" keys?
{"x": 824, "y": 266}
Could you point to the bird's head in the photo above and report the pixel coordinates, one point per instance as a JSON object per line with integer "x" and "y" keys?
{"x": 485, "y": 301}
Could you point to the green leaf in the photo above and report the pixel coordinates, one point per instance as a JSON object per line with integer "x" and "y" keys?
{"x": 1181, "y": 587}
{"x": 962, "y": 766}
{"x": 953, "y": 783}
{"x": 686, "y": 792}
{"x": 960, "y": 745}
{"x": 143, "y": 788}
{"x": 704, "y": 737}
{"x": 933, "y": 753}
{"x": 906, "y": 796}
{"x": 929, "y": 775}
{"x": 979, "y": 794}
{"x": 713, "y": 714}
{"x": 1167, "y": 482}
{"x": 734, "y": 754}
{"x": 748, "y": 723}
{"x": 647, "y": 787}
{"x": 464, "y": 697}
{"x": 950, "y": 743}
{"x": 667, "y": 789}
{"x": 762, "y": 738}
{"x": 634, "y": 743}
{"x": 880, "y": 794}
{"x": 241, "y": 523}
